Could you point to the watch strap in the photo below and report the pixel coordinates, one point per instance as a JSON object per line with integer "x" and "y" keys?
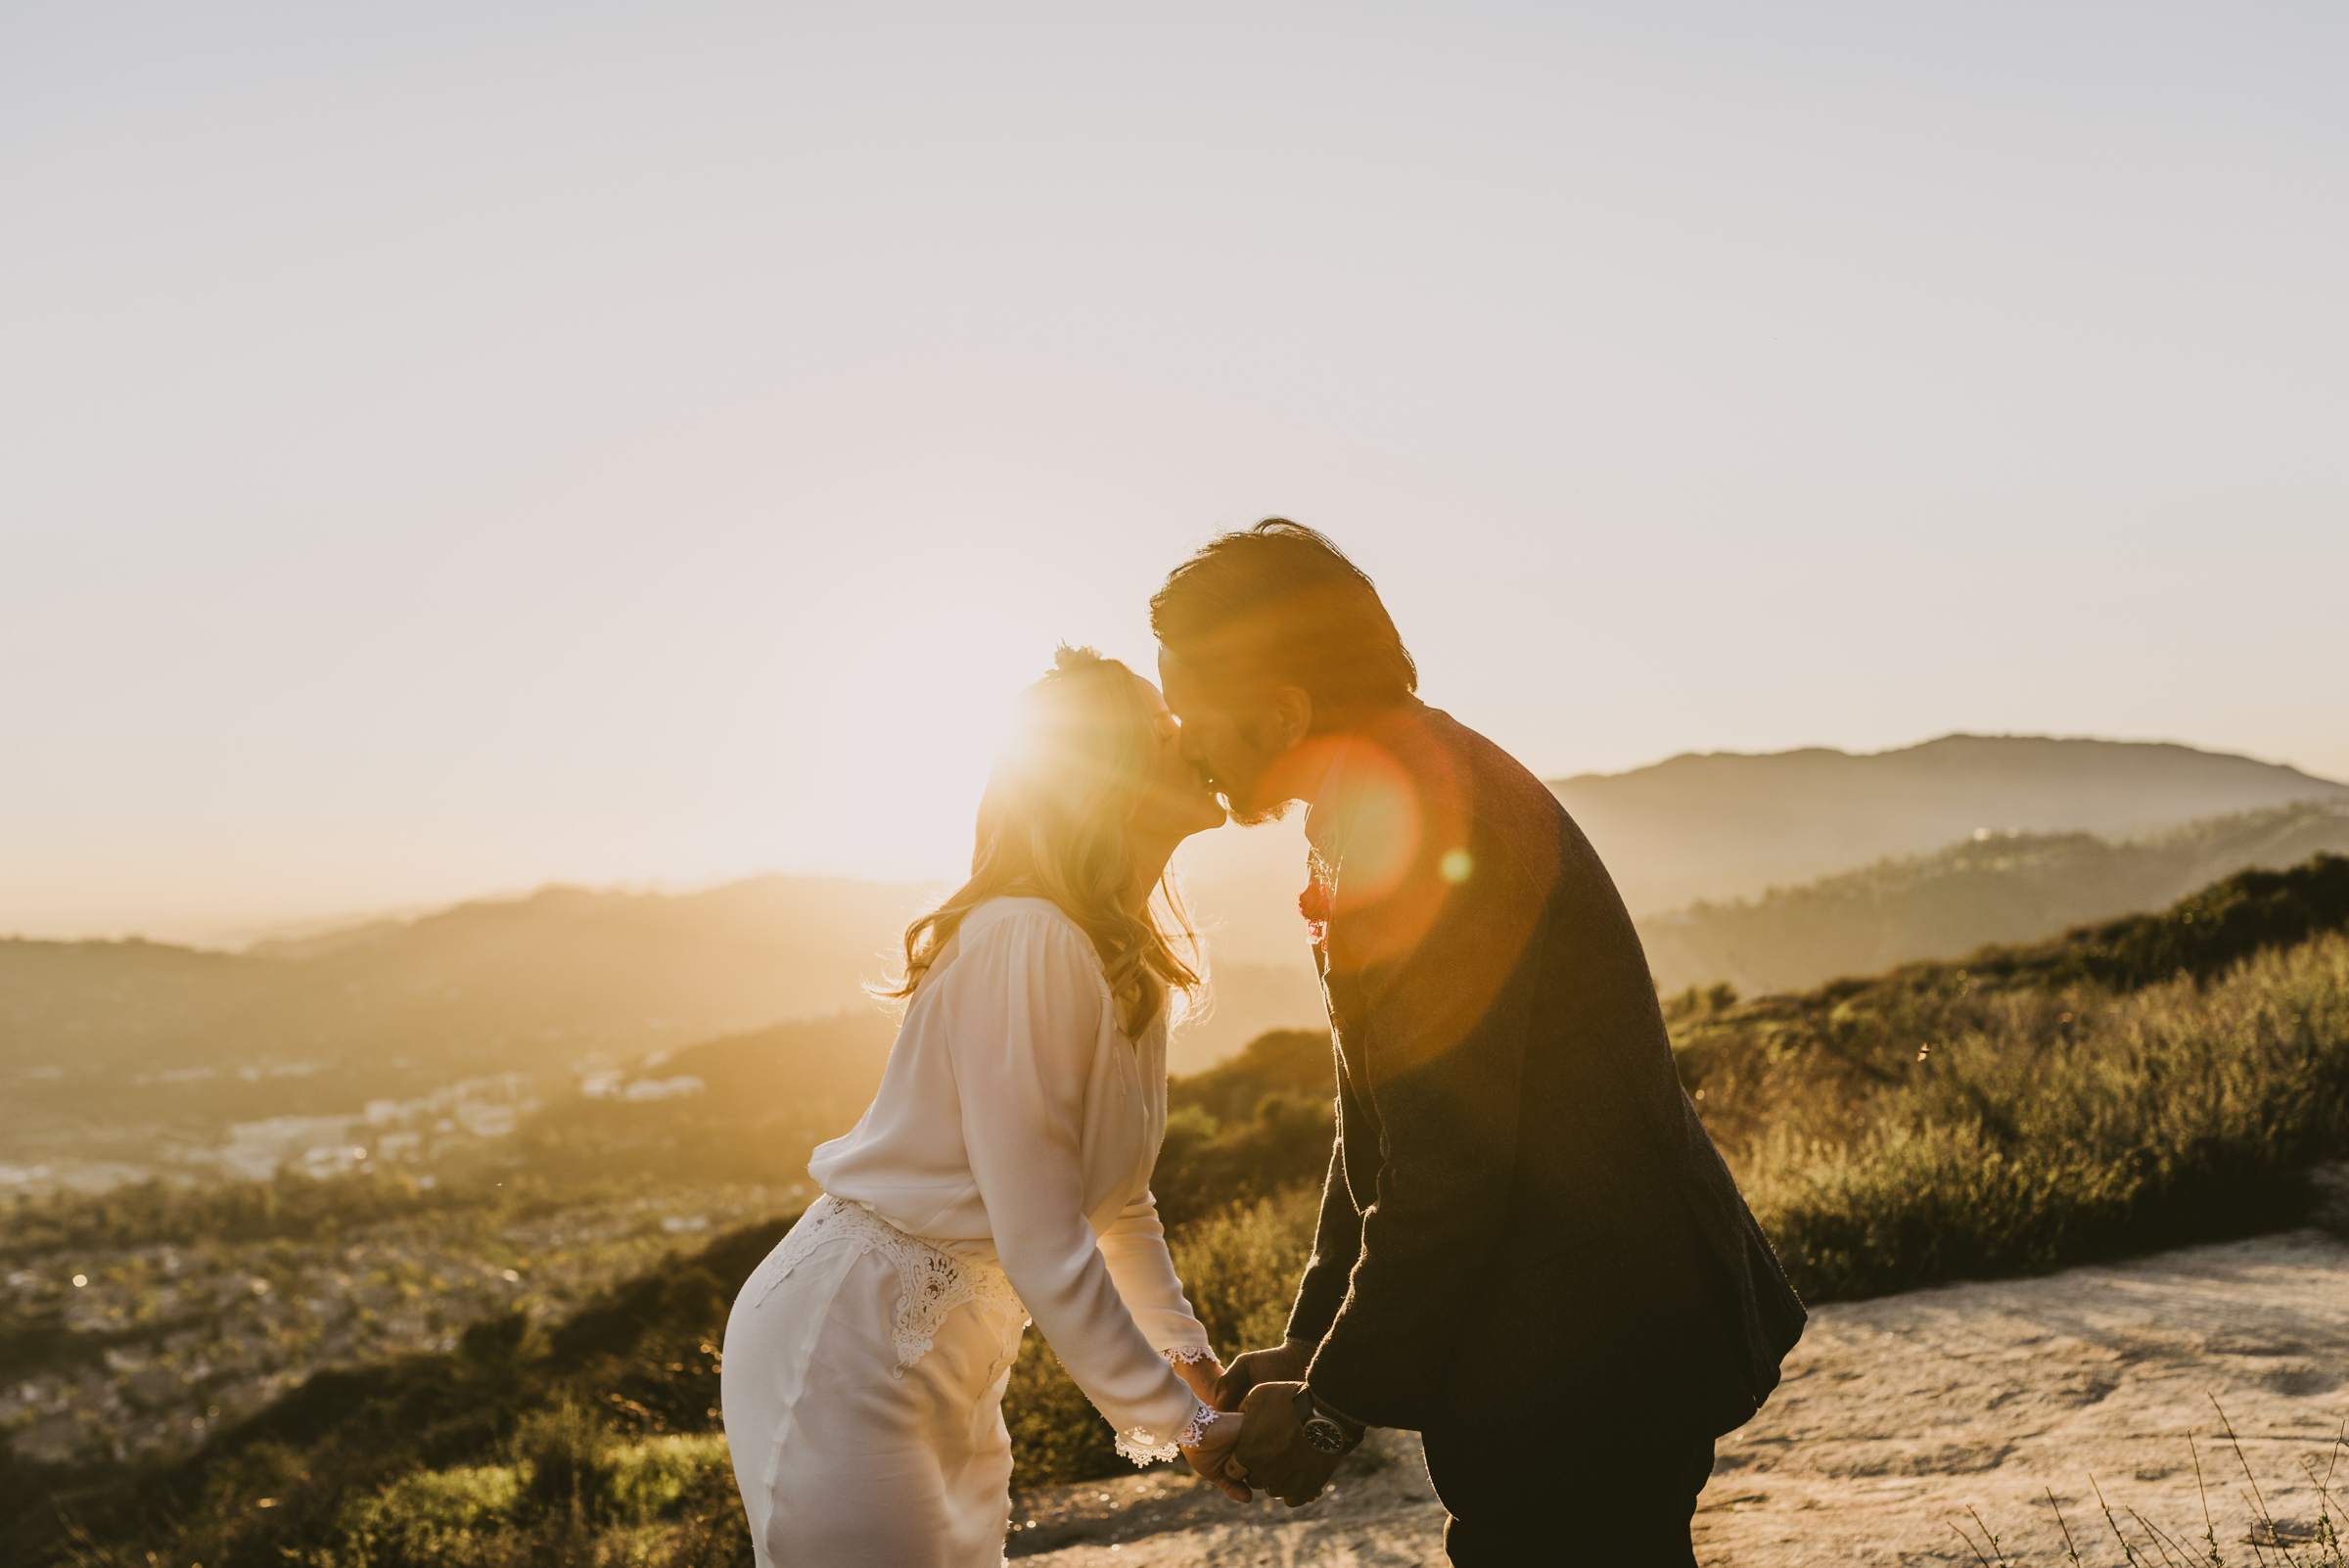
{"x": 1310, "y": 1413}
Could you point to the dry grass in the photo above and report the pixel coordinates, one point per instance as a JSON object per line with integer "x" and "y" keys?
{"x": 1979, "y": 1133}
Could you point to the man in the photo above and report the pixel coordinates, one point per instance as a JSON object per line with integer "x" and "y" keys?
{"x": 1529, "y": 1250}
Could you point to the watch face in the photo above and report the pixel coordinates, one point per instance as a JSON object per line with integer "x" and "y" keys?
{"x": 1325, "y": 1436}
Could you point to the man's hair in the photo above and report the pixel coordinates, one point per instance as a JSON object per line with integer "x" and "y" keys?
{"x": 1280, "y": 603}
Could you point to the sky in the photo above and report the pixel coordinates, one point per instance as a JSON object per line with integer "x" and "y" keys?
{"x": 448, "y": 449}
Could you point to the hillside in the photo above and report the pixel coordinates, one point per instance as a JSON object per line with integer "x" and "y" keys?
{"x": 130, "y": 1057}
{"x": 2037, "y": 1126}
{"x": 126, "y": 1057}
{"x": 2000, "y": 887}
{"x": 137, "y": 1052}
{"x": 483, "y": 987}
{"x": 1725, "y": 825}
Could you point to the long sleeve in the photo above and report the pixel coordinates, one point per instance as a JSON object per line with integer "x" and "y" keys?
{"x": 1439, "y": 1053}
{"x": 1337, "y": 1242}
{"x": 1135, "y": 1246}
{"x": 1025, "y": 1017}
{"x": 1525, "y": 1182}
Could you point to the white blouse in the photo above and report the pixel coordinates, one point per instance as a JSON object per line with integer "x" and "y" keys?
{"x": 1017, "y": 1125}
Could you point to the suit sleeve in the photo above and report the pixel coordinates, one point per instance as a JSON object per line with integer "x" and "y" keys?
{"x": 1446, "y": 1018}
{"x": 1337, "y": 1242}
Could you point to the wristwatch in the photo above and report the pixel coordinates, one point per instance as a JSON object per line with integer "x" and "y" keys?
{"x": 1323, "y": 1433}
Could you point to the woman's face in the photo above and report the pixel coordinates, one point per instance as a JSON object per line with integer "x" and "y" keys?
{"x": 1178, "y": 801}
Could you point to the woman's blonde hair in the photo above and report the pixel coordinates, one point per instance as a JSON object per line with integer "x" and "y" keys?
{"x": 1052, "y": 826}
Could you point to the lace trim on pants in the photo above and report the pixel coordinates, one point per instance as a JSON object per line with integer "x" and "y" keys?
{"x": 931, "y": 1281}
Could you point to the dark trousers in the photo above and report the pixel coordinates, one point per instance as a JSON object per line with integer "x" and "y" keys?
{"x": 1611, "y": 1496}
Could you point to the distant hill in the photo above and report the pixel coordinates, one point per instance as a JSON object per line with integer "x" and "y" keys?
{"x": 1726, "y": 825}
{"x": 144, "y": 1044}
{"x": 2003, "y": 888}
{"x": 141, "y": 1054}
{"x": 138, "y": 1054}
{"x": 1722, "y": 827}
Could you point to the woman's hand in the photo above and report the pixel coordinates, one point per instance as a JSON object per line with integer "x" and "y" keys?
{"x": 1202, "y": 1375}
{"x": 1215, "y": 1449}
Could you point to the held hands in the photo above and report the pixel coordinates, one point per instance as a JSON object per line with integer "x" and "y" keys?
{"x": 1215, "y": 1450}
{"x": 1222, "y": 1434}
{"x": 1283, "y": 1364}
{"x": 1273, "y": 1451}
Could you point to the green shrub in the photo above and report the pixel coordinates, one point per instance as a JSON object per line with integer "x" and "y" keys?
{"x": 653, "y": 1479}
{"x": 1240, "y": 1268}
{"x": 2176, "y": 1114}
{"x": 574, "y": 1495}
{"x": 428, "y": 1515}
{"x": 1056, "y": 1434}
{"x": 2206, "y": 933}
{"x": 569, "y": 1461}
{"x": 1205, "y": 1165}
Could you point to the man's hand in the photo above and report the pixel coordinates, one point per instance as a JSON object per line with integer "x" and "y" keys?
{"x": 1272, "y": 1451}
{"x": 1283, "y": 1364}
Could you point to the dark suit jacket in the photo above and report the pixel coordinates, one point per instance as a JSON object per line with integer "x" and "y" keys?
{"x": 1524, "y": 1221}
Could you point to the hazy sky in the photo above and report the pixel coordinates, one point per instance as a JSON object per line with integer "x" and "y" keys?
{"x": 448, "y": 447}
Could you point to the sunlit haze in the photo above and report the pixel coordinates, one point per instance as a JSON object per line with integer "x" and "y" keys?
{"x": 445, "y": 450}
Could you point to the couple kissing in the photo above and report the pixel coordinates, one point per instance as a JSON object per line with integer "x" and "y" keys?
{"x": 1529, "y": 1251}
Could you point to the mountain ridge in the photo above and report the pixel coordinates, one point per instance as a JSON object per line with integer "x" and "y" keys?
{"x": 178, "y": 1044}
{"x": 1717, "y": 825}
{"x": 1997, "y": 889}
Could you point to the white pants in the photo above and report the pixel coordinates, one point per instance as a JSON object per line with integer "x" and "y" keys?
{"x": 844, "y": 1460}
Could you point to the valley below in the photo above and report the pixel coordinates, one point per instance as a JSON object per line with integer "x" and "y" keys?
{"x": 139, "y": 1349}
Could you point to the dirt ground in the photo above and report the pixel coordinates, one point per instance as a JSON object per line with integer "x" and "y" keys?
{"x": 1896, "y": 1419}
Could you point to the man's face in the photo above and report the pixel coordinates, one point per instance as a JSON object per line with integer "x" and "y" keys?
{"x": 1234, "y": 743}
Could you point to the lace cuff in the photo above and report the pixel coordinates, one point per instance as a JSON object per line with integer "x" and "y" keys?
{"x": 1138, "y": 1444}
{"x": 1188, "y": 1353}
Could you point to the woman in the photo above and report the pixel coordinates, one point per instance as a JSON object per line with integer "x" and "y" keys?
{"x": 1000, "y": 1175}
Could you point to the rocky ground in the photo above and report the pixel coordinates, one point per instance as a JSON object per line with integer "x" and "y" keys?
{"x": 1904, "y": 1419}
{"x": 1379, "y": 1510}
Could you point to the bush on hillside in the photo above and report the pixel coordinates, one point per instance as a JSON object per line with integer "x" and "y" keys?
{"x": 1240, "y": 1268}
{"x": 2209, "y": 932}
{"x": 1247, "y": 1129}
{"x": 2174, "y": 1114}
{"x": 1286, "y": 1061}
{"x": 2203, "y": 935}
{"x": 1206, "y": 1164}
{"x": 1812, "y": 1063}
